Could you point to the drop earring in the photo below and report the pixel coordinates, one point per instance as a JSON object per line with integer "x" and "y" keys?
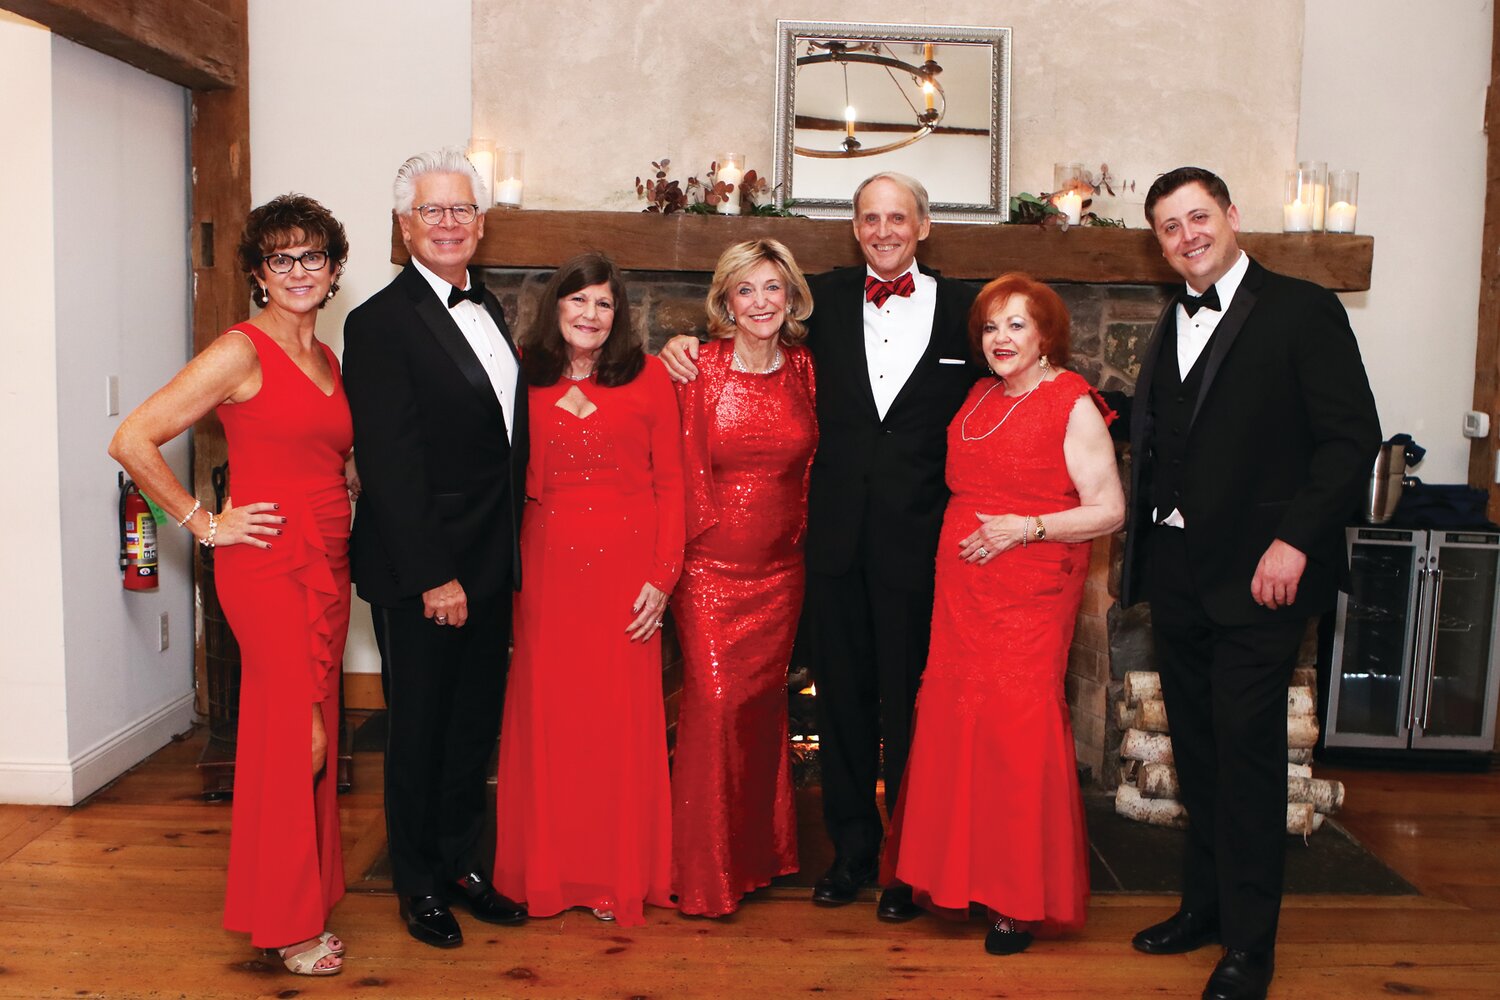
{"x": 1043, "y": 363}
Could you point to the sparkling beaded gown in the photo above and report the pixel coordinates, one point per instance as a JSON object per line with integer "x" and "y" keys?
{"x": 583, "y": 798}
{"x": 289, "y": 608}
{"x": 748, "y": 441}
{"x": 990, "y": 808}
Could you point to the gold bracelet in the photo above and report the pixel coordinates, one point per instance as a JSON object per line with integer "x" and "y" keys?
{"x": 1041, "y": 529}
{"x": 1025, "y": 530}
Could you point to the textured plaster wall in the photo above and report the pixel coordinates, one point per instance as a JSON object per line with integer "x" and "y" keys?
{"x": 595, "y": 92}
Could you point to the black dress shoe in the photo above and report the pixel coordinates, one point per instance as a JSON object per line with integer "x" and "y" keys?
{"x": 842, "y": 882}
{"x": 429, "y": 920}
{"x": 1179, "y": 933}
{"x": 896, "y": 906}
{"x": 1241, "y": 975}
{"x": 475, "y": 892}
{"x": 1005, "y": 939}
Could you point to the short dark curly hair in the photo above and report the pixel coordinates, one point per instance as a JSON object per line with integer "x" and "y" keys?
{"x": 286, "y": 221}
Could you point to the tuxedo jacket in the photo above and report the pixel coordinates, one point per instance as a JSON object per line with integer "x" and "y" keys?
{"x": 877, "y": 492}
{"x": 1280, "y": 445}
{"x": 441, "y": 481}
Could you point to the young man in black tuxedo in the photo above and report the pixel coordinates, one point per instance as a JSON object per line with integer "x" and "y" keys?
{"x": 1253, "y": 432}
{"x": 439, "y": 412}
{"x": 890, "y": 342}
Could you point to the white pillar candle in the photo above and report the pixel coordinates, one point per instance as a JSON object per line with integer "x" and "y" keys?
{"x": 730, "y": 173}
{"x": 508, "y": 192}
{"x": 1070, "y": 203}
{"x": 484, "y": 164}
{"x": 1296, "y": 217}
{"x": 1341, "y": 217}
{"x": 1319, "y": 199}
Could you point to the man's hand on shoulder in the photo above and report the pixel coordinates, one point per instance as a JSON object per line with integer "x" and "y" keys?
{"x": 678, "y": 354}
{"x": 1277, "y": 575}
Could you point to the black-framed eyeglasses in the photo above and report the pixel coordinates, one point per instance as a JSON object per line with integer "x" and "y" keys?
{"x": 433, "y": 214}
{"x": 311, "y": 260}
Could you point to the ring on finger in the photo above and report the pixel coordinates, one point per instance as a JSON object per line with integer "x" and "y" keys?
{"x": 984, "y": 553}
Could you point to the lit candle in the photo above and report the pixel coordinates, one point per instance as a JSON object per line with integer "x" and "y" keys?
{"x": 849, "y": 121}
{"x": 1296, "y": 217}
{"x": 1341, "y": 217}
{"x": 1319, "y": 198}
{"x": 1070, "y": 203}
{"x": 484, "y": 164}
{"x": 929, "y": 92}
{"x": 508, "y": 192}
{"x": 730, "y": 173}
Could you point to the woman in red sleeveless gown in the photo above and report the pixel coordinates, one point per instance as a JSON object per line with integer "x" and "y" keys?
{"x": 281, "y": 565}
{"x": 584, "y": 813}
{"x": 990, "y": 809}
{"x": 749, "y": 429}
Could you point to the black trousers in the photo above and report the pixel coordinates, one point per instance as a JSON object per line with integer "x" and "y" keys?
{"x": 869, "y": 645}
{"x": 444, "y": 688}
{"x": 1225, "y": 688}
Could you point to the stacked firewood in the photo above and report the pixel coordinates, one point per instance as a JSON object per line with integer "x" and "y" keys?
{"x": 1148, "y": 781}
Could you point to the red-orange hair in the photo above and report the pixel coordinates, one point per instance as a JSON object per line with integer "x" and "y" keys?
{"x": 1046, "y": 307}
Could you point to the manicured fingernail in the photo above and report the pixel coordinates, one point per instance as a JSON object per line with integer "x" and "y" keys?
{"x": 278, "y": 531}
{"x": 276, "y": 506}
{"x": 283, "y": 520}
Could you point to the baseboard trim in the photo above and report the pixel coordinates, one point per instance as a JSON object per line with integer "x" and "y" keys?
{"x": 54, "y": 783}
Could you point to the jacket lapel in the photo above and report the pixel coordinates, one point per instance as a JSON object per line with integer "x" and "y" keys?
{"x": 1141, "y": 408}
{"x": 434, "y": 313}
{"x": 925, "y": 362}
{"x": 1228, "y": 329}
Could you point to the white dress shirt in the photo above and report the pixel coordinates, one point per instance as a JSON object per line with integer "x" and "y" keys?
{"x": 478, "y": 327}
{"x": 896, "y": 335}
{"x": 1193, "y": 333}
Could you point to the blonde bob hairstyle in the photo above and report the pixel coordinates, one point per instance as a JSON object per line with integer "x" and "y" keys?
{"x": 735, "y": 264}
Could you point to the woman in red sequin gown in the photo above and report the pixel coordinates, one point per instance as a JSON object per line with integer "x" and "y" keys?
{"x": 281, "y": 566}
{"x": 584, "y": 807}
{"x": 990, "y": 808}
{"x": 749, "y": 430}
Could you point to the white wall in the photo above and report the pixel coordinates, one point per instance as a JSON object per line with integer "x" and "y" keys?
{"x": 96, "y": 179}
{"x": 1398, "y": 94}
{"x": 336, "y": 105}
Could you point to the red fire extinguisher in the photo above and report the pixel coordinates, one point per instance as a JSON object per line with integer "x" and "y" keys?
{"x": 137, "y": 538}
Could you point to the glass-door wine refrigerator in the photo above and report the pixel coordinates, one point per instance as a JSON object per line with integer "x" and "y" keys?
{"x": 1414, "y": 649}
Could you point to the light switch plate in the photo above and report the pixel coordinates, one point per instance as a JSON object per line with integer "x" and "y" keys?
{"x": 1476, "y": 424}
{"x": 163, "y": 641}
{"x": 111, "y": 395}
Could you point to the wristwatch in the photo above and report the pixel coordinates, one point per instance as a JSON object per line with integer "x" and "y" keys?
{"x": 1041, "y": 529}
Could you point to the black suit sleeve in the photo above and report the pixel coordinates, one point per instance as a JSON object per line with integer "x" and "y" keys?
{"x": 1341, "y": 417}
{"x": 388, "y": 450}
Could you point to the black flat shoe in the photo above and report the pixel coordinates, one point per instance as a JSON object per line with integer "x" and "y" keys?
{"x": 842, "y": 882}
{"x": 475, "y": 892}
{"x": 1005, "y": 939}
{"x": 896, "y": 906}
{"x": 429, "y": 920}
{"x": 1180, "y": 933}
{"x": 1241, "y": 975}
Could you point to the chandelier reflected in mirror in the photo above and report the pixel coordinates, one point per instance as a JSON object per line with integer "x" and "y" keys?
{"x": 886, "y": 86}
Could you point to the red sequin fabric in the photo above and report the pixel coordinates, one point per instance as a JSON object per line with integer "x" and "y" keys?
{"x": 748, "y": 444}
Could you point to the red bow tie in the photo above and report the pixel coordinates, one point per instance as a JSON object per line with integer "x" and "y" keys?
{"x": 878, "y": 291}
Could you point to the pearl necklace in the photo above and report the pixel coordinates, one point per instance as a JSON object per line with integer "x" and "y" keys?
{"x": 739, "y": 365}
{"x": 963, "y": 427}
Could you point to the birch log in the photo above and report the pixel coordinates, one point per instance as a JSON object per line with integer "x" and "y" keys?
{"x": 1157, "y": 781}
{"x": 1140, "y": 685}
{"x": 1305, "y": 677}
{"x": 1296, "y": 756}
{"x": 1153, "y": 748}
{"x": 1151, "y": 715}
{"x": 1298, "y": 770}
{"x": 1301, "y": 732}
{"x": 1326, "y": 797}
{"x": 1157, "y": 812}
{"x": 1299, "y": 818}
{"x": 1301, "y": 701}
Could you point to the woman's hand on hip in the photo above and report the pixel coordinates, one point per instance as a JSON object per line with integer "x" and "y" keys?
{"x": 648, "y": 609}
{"x": 253, "y": 524}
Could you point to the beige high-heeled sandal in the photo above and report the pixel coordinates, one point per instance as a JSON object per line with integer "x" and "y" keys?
{"x": 328, "y": 938}
{"x": 305, "y": 963}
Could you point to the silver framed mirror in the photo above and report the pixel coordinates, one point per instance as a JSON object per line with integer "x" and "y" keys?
{"x": 932, "y": 101}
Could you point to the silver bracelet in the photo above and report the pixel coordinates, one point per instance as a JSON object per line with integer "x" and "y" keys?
{"x": 197, "y": 506}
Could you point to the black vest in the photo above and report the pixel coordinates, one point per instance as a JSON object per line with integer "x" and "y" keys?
{"x": 1172, "y": 401}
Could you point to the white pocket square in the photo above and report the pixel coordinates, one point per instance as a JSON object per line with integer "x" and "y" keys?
{"x": 952, "y": 361}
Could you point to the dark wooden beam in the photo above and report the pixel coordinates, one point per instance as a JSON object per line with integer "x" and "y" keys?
{"x": 640, "y": 241}
{"x": 1483, "y": 451}
{"x": 193, "y": 43}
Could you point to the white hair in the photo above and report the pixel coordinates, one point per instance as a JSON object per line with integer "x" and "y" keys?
{"x": 448, "y": 160}
{"x": 911, "y": 184}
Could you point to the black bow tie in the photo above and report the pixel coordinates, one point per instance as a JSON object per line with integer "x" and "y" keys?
{"x": 1208, "y": 300}
{"x": 474, "y": 293}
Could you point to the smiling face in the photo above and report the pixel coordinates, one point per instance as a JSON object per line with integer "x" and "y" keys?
{"x": 1012, "y": 344}
{"x": 887, "y": 227}
{"x": 585, "y": 318}
{"x": 757, "y": 302}
{"x": 1197, "y": 236}
{"x": 299, "y": 290}
{"x": 447, "y": 247}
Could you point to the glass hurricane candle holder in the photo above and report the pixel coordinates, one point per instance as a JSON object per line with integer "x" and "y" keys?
{"x": 1343, "y": 200}
{"x": 1069, "y": 181}
{"x": 509, "y": 177}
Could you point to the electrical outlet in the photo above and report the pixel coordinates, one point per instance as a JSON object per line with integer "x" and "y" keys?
{"x": 163, "y": 641}
{"x": 1476, "y": 424}
{"x": 111, "y": 395}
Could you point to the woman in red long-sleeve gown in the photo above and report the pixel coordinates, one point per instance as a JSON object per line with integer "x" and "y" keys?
{"x": 990, "y": 809}
{"x": 749, "y": 430}
{"x": 281, "y": 565}
{"x": 584, "y": 813}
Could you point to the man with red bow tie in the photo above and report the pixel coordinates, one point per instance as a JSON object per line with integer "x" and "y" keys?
{"x": 890, "y": 341}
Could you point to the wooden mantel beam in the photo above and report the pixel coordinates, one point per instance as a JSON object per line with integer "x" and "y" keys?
{"x": 640, "y": 241}
{"x": 192, "y": 43}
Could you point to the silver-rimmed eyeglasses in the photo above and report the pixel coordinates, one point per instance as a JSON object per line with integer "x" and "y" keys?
{"x": 311, "y": 260}
{"x": 433, "y": 214}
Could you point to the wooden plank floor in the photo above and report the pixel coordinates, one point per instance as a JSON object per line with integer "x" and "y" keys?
{"x": 120, "y": 898}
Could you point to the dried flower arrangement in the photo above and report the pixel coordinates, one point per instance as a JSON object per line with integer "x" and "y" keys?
{"x": 1038, "y": 210}
{"x": 703, "y": 197}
